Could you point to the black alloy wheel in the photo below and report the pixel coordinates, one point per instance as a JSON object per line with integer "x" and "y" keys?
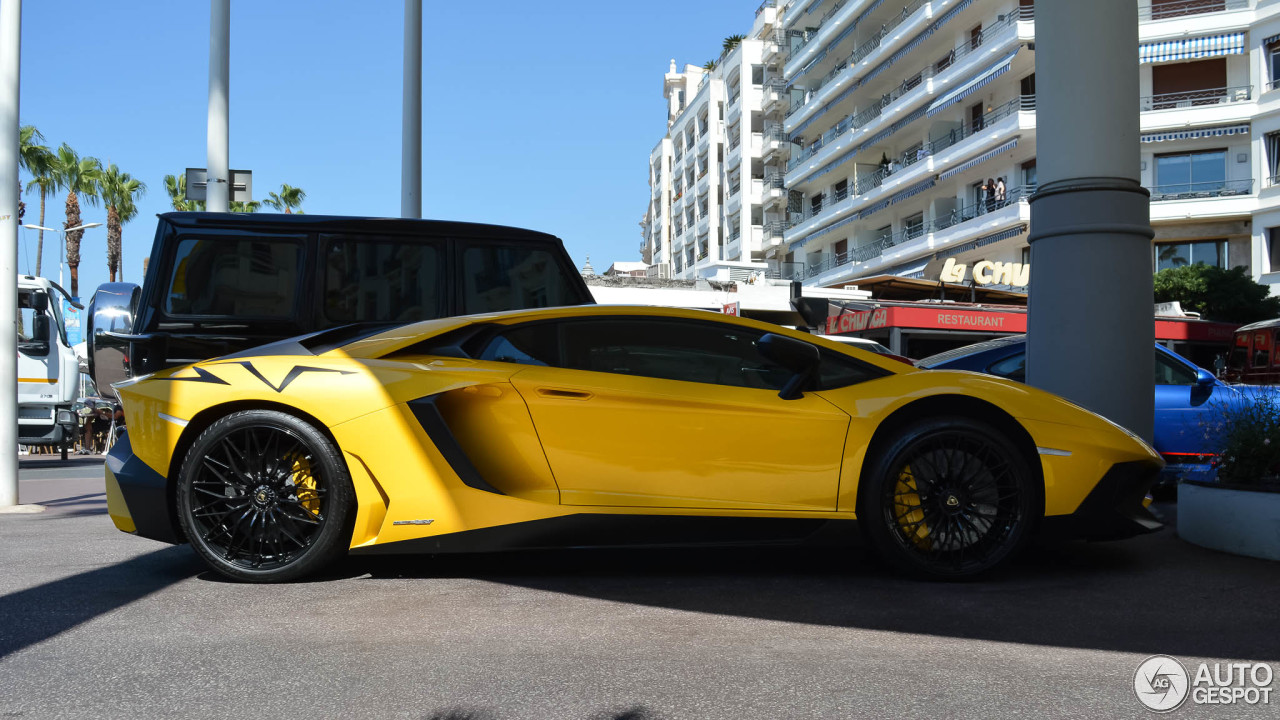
{"x": 950, "y": 498}
{"x": 264, "y": 497}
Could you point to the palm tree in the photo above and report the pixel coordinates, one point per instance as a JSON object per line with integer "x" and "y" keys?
{"x": 176, "y": 187}
{"x": 118, "y": 191}
{"x": 288, "y": 198}
{"x": 38, "y": 160}
{"x": 732, "y": 42}
{"x": 709, "y": 65}
{"x": 251, "y": 206}
{"x": 80, "y": 176}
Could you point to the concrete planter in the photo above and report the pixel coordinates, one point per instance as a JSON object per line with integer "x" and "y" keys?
{"x": 1232, "y": 518}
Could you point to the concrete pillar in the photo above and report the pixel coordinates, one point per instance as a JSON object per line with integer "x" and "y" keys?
{"x": 1090, "y": 320}
{"x": 411, "y": 131}
{"x": 10, "y": 43}
{"x": 218, "y": 197}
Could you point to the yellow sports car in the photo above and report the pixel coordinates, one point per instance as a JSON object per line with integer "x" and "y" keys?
{"x": 604, "y": 425}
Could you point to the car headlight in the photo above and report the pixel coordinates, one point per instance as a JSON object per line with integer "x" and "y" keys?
{"x": 66, "y": 417}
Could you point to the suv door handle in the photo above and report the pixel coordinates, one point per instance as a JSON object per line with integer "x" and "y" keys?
{"x": 562, "y": 394}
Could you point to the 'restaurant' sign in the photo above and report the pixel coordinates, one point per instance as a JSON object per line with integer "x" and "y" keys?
{"x": 997, "y": 321}
{"x": 927, "y": 318}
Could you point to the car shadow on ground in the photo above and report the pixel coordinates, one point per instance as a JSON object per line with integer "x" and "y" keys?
{"x": 41, "y": 612}
{"x": 1153, "y": 594}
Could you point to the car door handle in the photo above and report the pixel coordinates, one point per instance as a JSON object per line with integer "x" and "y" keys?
{"x": 562, "y": 394}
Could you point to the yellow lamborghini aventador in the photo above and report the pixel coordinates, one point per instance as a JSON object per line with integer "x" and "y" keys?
{"x": 603, "y": 425}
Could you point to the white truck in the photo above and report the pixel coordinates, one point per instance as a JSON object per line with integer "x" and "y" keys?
{"x": 48, "y": 370}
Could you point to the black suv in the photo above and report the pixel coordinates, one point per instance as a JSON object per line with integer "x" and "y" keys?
{"x": 219, "y": 283}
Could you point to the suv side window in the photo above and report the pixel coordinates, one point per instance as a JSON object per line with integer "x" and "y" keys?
{"x": 378, "y": 279}
{"x": 243, "y": 277}
{"x": 499, "y": 277}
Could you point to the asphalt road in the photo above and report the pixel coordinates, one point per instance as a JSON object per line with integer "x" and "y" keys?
{"x": 98, "y": 624}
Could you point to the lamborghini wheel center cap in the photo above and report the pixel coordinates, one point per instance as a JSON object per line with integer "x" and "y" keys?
{"x": 264, "y": 496}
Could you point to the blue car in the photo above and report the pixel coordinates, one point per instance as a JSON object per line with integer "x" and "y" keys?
{"x": 1191, "y": 404}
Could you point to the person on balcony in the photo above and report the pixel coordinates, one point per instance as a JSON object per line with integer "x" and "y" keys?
{"x": 1000, "y": 192}
{"x": 989, "y": 193}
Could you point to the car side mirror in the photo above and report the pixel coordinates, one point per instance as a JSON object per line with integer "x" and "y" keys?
{"x": 39, "y": 302}
{"x": 801, "y": 358}
{"x": 1204, "y": 378}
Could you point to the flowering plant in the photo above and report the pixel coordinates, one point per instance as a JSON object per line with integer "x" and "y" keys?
{"x": 1249, "y": 441}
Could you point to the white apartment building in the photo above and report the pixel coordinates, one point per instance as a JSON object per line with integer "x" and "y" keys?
{"x": 704, "y": 217}
{"x": 894, "y": 115}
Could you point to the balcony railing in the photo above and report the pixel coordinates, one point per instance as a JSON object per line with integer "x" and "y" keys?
{"x": 809, "y": 36}
{"x": 871, "y": 113}
{"x": 1273, "y": 180}
{"x": 1027, "y": 13}
{"x": 1168, "y": 10}
{"x": 1023, "y": 103}
{"x": 733, "y": 189}
{"x": 978, "y": 209}
{"x": 766, "y": 4}
{"x": 1201, "y": 190}
{"x": 1197, "y": 98}
{"x": 785, "y": 271}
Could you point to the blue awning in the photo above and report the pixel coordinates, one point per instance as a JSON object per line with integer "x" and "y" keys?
{"x": 915, "y": 42}
{"x": 901, "y": 123}
{"x": 873, "y": 208}
{"x": 967, "y": 89}
{"x": 979, "y": 160}
{"x": 982, "y": 241}
{"x": 1191, "y": 48}
{"x": 912, "y": 191}
{"x": 1192, "y": 134}
{"x": 830, "y": 227}
{"x": 1270, "y": 40}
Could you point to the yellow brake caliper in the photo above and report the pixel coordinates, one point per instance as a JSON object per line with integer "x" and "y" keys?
{"x": 906, "y": 495}
{"x": 304, "y": 485}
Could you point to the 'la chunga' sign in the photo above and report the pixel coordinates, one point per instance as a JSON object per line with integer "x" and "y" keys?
{"x": 986, "y": 272}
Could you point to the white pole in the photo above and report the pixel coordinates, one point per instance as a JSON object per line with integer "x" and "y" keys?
{"x": 218, "y": 175}
{"x": 10, "y": 43}
{"x": 411, "y": 133}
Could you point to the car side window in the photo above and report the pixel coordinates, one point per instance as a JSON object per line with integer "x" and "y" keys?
{"x": 532, "y": 344}
{"x": 1171, "y": 372}
{"x": 839, "y": 371}
{"x": 671, "y": 349}
{"x": 1013, "y": 367}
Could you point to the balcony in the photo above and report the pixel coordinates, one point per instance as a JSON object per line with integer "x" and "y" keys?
{"x": 1201, "y": 190}
{"x": 870, "y": 181}
{"x": 988, "y": 40}
{"x": 1172, "y": 10}
{"x": 842, "y": 74}
{"x": 1197, "y": 98}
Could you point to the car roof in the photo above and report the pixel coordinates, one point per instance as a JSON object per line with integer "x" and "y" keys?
{"x": 398, "y": 338}
{"x": 967, "y": 350}
{"x": 306, "y": 222}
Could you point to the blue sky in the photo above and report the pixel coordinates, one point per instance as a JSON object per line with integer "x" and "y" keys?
{"x": 540, "y": 115}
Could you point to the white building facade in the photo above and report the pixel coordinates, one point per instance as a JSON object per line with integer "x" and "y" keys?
{"x": 906, "y": 138}
{"x": 704, "y": 217}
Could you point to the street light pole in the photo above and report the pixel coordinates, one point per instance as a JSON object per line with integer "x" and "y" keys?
{"x": 218, "y": 189}
{"x": 411, "y": 129}
{"x": 10, "y": 43}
